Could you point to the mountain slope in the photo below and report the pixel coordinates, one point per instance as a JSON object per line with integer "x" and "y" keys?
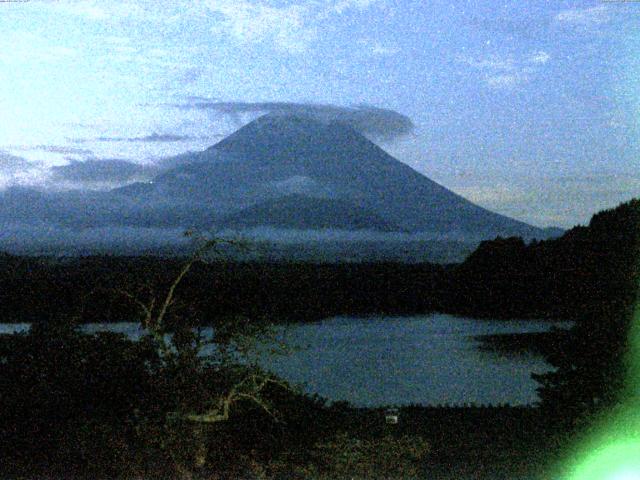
{"x": 307, "y": 213}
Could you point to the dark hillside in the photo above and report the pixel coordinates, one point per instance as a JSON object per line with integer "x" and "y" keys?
{"x": 568, "y": 277}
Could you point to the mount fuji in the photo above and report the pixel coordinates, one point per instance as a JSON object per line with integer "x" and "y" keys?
{"x": 293, "y": 178}
{"x": 298, "y": 172}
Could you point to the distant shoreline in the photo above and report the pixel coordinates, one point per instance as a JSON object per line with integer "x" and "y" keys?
{"x": 537, "y": 343}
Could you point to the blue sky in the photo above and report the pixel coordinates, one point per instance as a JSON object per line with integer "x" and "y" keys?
{"x": 531, "y": 109}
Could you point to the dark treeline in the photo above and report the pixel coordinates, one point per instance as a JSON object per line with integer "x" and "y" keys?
{"x": 591, "y": 275}
{"x": 96, "y": 288}
{"x": 591, "y": 373}
{"x": 563, "y": 278}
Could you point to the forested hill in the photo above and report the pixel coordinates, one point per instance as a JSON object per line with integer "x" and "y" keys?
{"x": 589, "y": 269}
{"x": 585, "y": 270}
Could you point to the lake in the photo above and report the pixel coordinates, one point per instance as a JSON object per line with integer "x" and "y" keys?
{"x": 372, "y": 361}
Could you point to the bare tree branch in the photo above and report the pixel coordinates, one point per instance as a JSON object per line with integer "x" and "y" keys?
{"x": 148, "y": 310}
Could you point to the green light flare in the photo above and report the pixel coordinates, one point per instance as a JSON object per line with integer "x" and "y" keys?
{"x": 627, "y": 475}
{"x": 610, "y": 450}
{"x": 613, "y": 451}
{"x": 617, "y": 461}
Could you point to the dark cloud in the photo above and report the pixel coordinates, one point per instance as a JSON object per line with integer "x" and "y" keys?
{"x": 379, "y": 123}
{"x": 103, "y": 170}
{"x": 65, "y": 150}
{"x": 82, "y": 125}
{"x": 11, "y": 163}
{"x": 154, "y": 137}
{"x": 161, "y": 137}
{"x": 54, "y": 149}
{"x": 198, "y": 98}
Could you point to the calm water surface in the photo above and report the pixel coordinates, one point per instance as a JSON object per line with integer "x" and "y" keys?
{"x": 426, "y": 359}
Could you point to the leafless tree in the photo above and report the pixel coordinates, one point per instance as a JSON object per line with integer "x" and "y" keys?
{"x": 249, "y": 381}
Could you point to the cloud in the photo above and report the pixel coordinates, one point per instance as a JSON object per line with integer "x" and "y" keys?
{"x": 101, "y": 10}
{"x": 493, "y": 62}
{"x": 505, "y": 81}
{"x": 291, "y": 27}
{"x": 57, "y": 149}
{"x": 286, "y": 27}
{"x": 343, "y": 5}
{"x": 198, "y": 98}
{"x": 158, "y": 137}
{"x": 377, "y": 48}
{"x": 154, "y": 137}
{"x": 11, "y": 163}
{"x": 15, "y": 170}
{"x": 507, "y": 72}
{"x": 42, "y": 238}
{"x": 88, "y": 10}
{"x": 584, "y": 16}
{"x": 540, "y": 57}
{"x": 22, "y": 47}
{"x": 101, "y": 171}
{"x": 384, "y": 51}
{"x": 379, "y": 123}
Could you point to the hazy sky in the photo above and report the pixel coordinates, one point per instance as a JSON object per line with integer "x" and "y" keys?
{"x": 531, "y": 109}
